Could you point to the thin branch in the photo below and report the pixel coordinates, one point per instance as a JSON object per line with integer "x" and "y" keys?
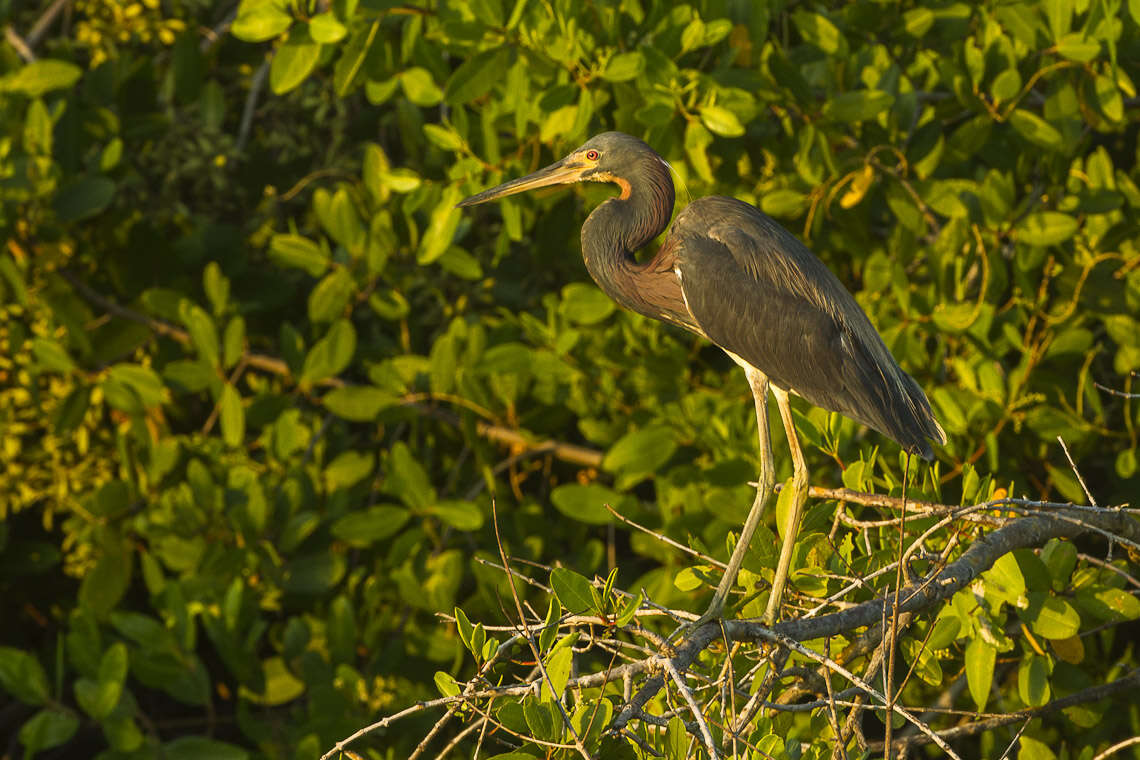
{"x": 1117, "y": 747}
{"x": 666, "y": 540}
{"x": 687, "y": 693}
{"x": 1092, "y": 694}
{"x": 250, "y": 107}
{"x": 555, "y": 698}
{"x": 17, "y": 42}
{"x": 1073, "y": 465}
{"x": 39, "y": 29}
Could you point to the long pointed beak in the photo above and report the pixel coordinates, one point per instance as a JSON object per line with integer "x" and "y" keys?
{"x": 558, "y": 173}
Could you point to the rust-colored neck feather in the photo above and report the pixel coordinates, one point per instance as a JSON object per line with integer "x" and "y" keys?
{"x": 621, "y": 226}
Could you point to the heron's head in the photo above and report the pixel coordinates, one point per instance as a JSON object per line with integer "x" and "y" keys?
{"x": 608, "y": 157}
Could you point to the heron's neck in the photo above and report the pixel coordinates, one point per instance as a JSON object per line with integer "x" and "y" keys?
{"x": 621, "y": 226}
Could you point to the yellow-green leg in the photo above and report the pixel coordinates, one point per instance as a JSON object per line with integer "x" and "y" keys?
{"x": 800, "y": 489}
{"x": 759, "y": 384}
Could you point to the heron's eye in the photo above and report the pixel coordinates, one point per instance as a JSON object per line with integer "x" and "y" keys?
{"x": 592, "y": 155}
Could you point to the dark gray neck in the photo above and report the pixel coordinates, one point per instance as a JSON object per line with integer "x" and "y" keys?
{"x": 621, "y": 226}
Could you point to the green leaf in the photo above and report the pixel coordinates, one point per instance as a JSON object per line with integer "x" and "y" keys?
{"x": 203, "y": 333}
{"x": 461, "y": 515}
{"x": 1033, "y": 681}
{"x": 818, "y": 30}
{"x": 1109, "y": 604}
{"x": 550, "y": 625}
{"x": 260, "y": 20}
{"x": 407, "y": 479}
{"x": 348, "y": 468}
{"x": 1034, "y": 749}
{"x": 365, "y": 527}
{"x": 1046, "y": 228}
{"x": 923, "y": 660}
{"x": 1006, "y": 85}
{"x": 294, "y": 60}
{"x": 1108, "y": 98}
{"x": 444, "y": 136}
{"x": 917, "y": 21}
{"x": 624, "y": 67}
{"x": 721, "y": 121}
{"x": 980, "y": 658}
{"x": 42, "y": 76}
{"x": 146, "y": 386}
{"x": 585, "y": 304}
{"x": 107, "y": 582}
{"x": 1052, "y": 617}
{"x": 325, "y": 28}
{"x": 542, "y": 719}
{"x": 572, "y": 590}
{"x": 1076, "y": 47}
{"x": 84, "y": 198}
{"x": 330, "y": 297}
{"x": 785, "y": 500}
{"x": 22, "y": 676}
{"x": 313, "y": 574}
{"x": 447, "y": 684}
{"x": 477, "y": 75}
{"x": 233, "y": 342}
{"x": 558, "y": 670}
{"x": 640, "y": 453}
{"x": 354, "y": 54}
{"x": 1035, "y": 129}
{"x": 331, "y": 354}
{"x": 1005, "y": 582}
{"x": 420, "y": 87}
{"x": 628, "y": 610}
{"x": 48, "y": 728}
{"x": 784, "y": 204}
{"x": 1060, "y": 557}
{"x": 51, "y": 356}
{"x": 585, "y": 503}
{"x": 299, "y": 252}
{"x": 441, "y": 229}
{"x": 217, "y": 287}
{"x": 232, "y": 417}
{"x": 858, "y": 105}
{"x": 358, "y": 403}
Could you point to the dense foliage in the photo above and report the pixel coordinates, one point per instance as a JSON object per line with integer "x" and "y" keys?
{"x": 261, "y": 383}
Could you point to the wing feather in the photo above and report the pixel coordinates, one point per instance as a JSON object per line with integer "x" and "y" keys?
{"x": 758, "y": 292}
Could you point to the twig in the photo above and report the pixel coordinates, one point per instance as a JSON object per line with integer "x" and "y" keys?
{"x": 39, "y": 29}
{"x": 1117, "y": 747}
{"x": 1114, "y": 392}
{"x": 385, "y": 722}
{"x": 1092, "y": 694}
{"x": 18, "y": 43}
{"x": 687, "y": 693}
{"x": 255, "y": 86}
{"x": 555, "y": 698}
{"x": 1072, "y": 464}
{"x": 665, "y": 539}
{"x": 777, "y": 638}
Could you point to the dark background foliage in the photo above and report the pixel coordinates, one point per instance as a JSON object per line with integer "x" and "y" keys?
{"x": 261, "y": 381}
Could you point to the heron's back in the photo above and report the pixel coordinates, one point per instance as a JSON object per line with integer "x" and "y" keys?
{"x": 757, "y": 291}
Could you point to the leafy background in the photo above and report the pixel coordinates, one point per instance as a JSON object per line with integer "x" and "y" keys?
{"x": 261, "y": 381}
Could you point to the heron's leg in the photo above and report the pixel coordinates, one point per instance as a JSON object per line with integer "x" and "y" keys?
{"x": 759, "y": 383}
{"x": 799, "y": 496}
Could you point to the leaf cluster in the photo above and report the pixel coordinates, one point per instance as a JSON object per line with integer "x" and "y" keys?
{"x": 261, "y": 380}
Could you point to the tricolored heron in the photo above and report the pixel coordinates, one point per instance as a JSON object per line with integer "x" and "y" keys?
{"x": 732, "y": 275}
